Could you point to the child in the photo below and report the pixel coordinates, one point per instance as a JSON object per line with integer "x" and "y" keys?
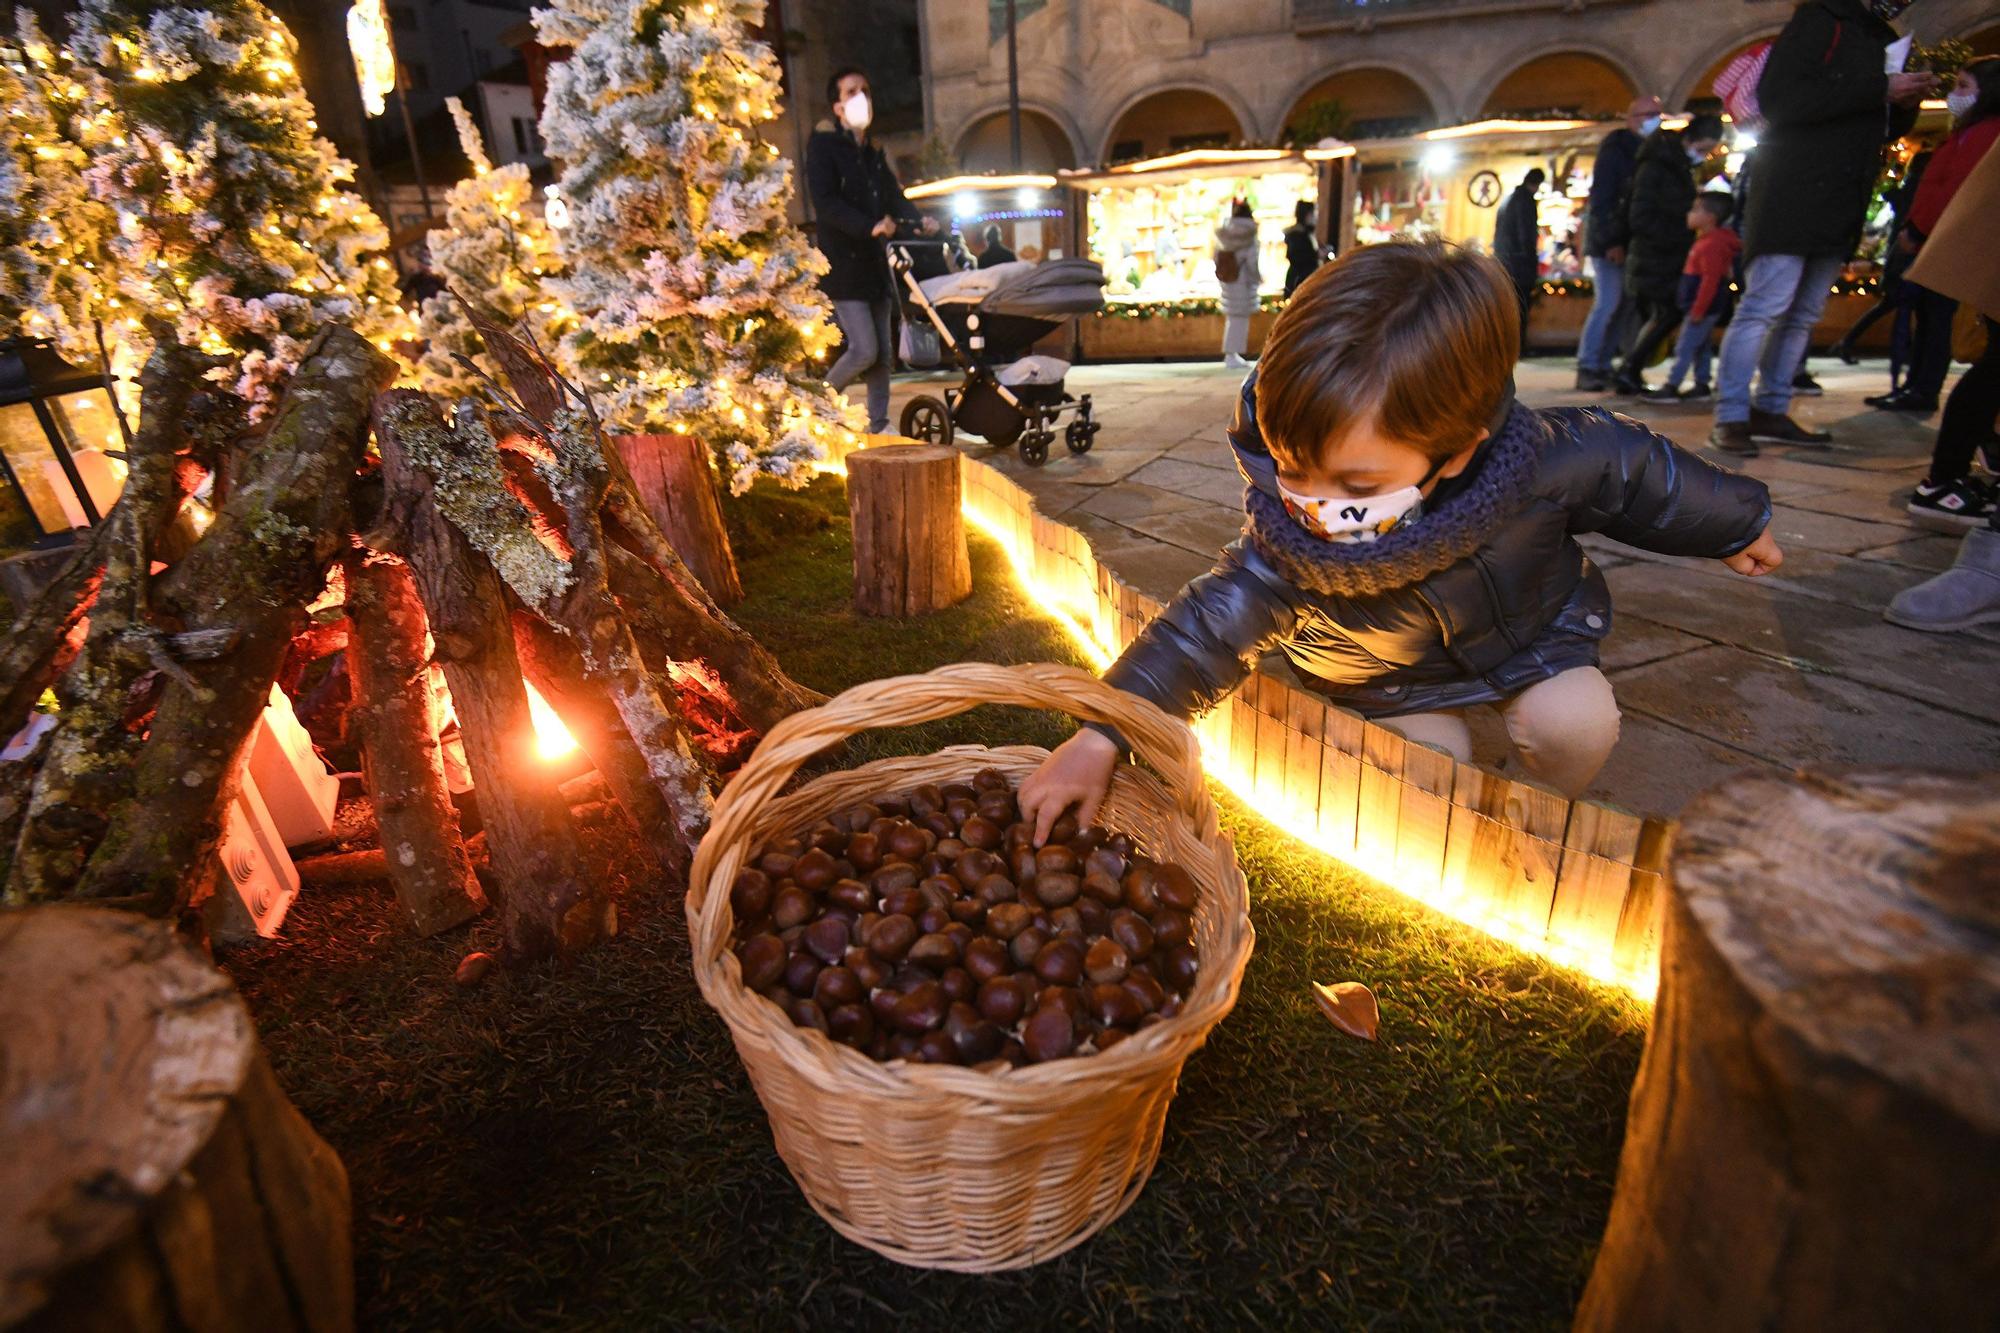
{"x": 1704, "y": 294}
{"x": 1411, "y": 537}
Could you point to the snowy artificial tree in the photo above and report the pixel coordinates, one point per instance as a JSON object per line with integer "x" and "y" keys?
{"x": 495, "y": 252}
{"x": 229, "y": 219}
{"x": 697, "y": 306}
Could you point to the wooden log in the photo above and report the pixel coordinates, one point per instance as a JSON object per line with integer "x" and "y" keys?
{"x": 547, "y": 903}
{"x": 264, "y": 558}
{"x": 1814, "y": 1137}
{"x": 155, "y": 1177}
{"x": 909, "y": 536}
{"x": 400, "y": 757}
{"x": 674, "y": 478}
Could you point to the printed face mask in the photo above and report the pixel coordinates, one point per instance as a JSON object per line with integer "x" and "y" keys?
{"x": 1960, "y": 104}
{"x": 856, "y": 111}
{"x": 1334, "y": 518}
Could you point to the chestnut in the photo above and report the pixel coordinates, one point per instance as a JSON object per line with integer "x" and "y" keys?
{"x": 1056, "y": 888}
{"x": 934, "y": 919}
{"x": 893, "y": 805}
{"x": 903, "y": 1046}
{"x": 996, "y": 888}
{"x": 972, "y": 865}
{"x": 967, "y": 912}
{"x": 893, "y": 879}
{"x": 852, "y": 1024}
{"x": 865, "y": 850}
{"x": 1055, "y": 858}
{"x": 1110, "y": 1037}
{"x": 1024, "y": 946}
{"x": 904, "y": 902}
{"x": 908, "y": 842}
{"x": 1002, "y": 1000}
{"x": 1107, "y": 961}
{"x": 958, "y": 809}
{"x": 1142, "y": 887}
{"x": 892, "y": 937}
{"x": 807, "y": 1014}
{"x": 1096, "y": 917}
{"x": 939, "y": 824}
{"x": 937, "y": 1048}
{"x": 939, "y": 890}
{"x": 1146, "y": 990}
{"x": 937, "y": 861}
{"x": 976, "y": 1038}
{"x": 1179, "y": 968}
{"x": 852, "y": 894}
{"x": 1063, "y": 829}
{"x": 958, "y": 983}
{"x": 1067, "y": 921}
{"x": 1105, "y": 860}
{"x": 958, "y": 791}
{"x": 960, "y": 934}
{"x": 801, "y": 971}
{"x": 922, "y": 1009}
{"x": 792, "y": 907}
{"x": 1171, "y": 928}
{"x": 814, "y": 870}
{"x": 986, "y": 958}
{"x": 828, "y": 839}
{"x": 836, "y": 986}
{"x": 1049, "y": 1035}
{"x": 1006, "y": 920}
{"x": 763, "y": 960}
{"x": 934, "y": 951}
{"x": 991, "y": 779}
{"x": 882, "y": 1003}
{"x": 1134, "y": 932}
{"x": 1060, "y": 963}
{"x": 1103, "y": 889}
{"x": 1066, "y": 998}
{"x": 750, "y": 895}
{"x": 1023, "y": 860}
{"x": 925, "y": 800}
{"x": 1113, "y": 1006}
{"x": 981, "y": 832}
{"x": 777, "y": 865}
{"x": 1175, "y": 887}
{"x": 866, "y": 969}
{"x": 827, "y": 939}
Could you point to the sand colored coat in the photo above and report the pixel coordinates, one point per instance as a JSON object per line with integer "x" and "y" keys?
{"x": 1959, "y": 259}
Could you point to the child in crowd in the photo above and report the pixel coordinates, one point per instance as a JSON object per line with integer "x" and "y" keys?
{"x": 1705, "y": 297}
{"x": 1411, "y": 536}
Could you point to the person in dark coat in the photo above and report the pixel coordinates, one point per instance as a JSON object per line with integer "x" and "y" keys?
{"x": 1517, "y": 244}
{"x": 996, "y": 251}
{"x": 1828, "y": 108}
{"x": 1604, "y": 243}
{"x": 1411, "y": 530}
{"x": 857, "y": 202}
{"x": 1656, "y": 212}
{"x": 1301, "y": 247}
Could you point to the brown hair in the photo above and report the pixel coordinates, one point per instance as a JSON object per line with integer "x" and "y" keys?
{"x": 1422, "y": 334}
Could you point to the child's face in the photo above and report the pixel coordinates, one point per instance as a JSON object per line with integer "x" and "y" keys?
{"x": 1698, "y": 219}
{"x": 1362, "y": 461}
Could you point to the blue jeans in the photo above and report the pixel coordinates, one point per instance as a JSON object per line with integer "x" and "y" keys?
{"x": 1607, "y": 280}
{"x": 1783, "y": 297}
{"x": 865, "y": 326}
{"x": 1691, "y": 351}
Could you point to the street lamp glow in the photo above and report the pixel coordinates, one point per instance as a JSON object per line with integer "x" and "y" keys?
{"x": 963, "y": 205}
{"x": 1027, "y": 198}
{"x": 1438, "y": 159}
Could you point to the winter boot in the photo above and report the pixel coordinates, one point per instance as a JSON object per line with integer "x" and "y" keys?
{"x": 1965, "y": 595}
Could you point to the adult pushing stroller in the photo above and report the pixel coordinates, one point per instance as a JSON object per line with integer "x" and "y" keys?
{"x": 986, "y": 320}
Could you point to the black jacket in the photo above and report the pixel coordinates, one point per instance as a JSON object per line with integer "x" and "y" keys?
{"x": 852, "y": 189}
{"x": 1525, "y": 606}
{"x": 1656, "y": 221}
{"x": 1517, "y": 231}
{"x": 1610, "y": 174}
{"x": 1826, "y": 116}
{"x": 995, "y": 255}
{"x": 1301, "y": 256}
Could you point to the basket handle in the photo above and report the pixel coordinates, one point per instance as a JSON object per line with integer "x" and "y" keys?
{"x": 1165, "y": 743}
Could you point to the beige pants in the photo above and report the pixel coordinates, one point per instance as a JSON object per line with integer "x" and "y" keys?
{"x": 1564, "y": 728}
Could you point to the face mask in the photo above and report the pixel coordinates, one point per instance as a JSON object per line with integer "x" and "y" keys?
{"x": 856, "y": 111}
{"x": 1337, "y": 518}
{"x": 1961, "y": 104}
{"x": 1649, "y": 124}
{"x": 1696, "y": 157}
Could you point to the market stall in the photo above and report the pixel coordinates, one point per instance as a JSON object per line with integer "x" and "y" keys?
{"x": 1028, "y": 208}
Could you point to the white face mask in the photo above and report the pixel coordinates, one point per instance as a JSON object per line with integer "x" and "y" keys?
{"x": 1960, "y": 104}
{"x": 1335, "y": 518}
{"x": 856, "y": 111}
{"x": 1648, "y": 125}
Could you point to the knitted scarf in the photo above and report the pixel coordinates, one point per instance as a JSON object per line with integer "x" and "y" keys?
{"x": 1438, "y": 538}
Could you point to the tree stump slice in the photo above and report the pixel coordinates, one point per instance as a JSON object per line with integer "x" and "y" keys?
{"x": 676, "y": 483}
{"x": 1814, "y": 1137}
{"x": 909, "y": 534}
{"x": 155, "y": 1176}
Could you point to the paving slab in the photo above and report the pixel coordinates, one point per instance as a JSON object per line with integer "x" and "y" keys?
{"x": 1930, "y": 552}
{"x": 1205, "y": 530}
{"x": 1206, "y": 483}
{"x": 1133, "y": 500}
{"x": 1830, "y": 532}
{"x": 1635, "y": 641}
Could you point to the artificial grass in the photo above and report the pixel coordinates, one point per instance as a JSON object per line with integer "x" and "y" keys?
{"x": 579, "y": 1148}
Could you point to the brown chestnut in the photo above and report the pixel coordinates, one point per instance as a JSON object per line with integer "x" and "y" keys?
{"x": 1049, "y": 1035}
{"x": 750, "y": 895}
{"x": 934, "y": 919}
{"x": 1179, "y": 968}
{"x": 903, "y": 1046}
{"x": 1023, "y": 864}
{"x": 801, "y": 971}
{"x": 865, "y": 850}
{"x": 922, "y": 1009}
{"x": 865, "y": 967}
{"x": 1108, "y": 1038}
{"x": 937, "y": 1048}
{"x": 1134, "y": 932}
{"x": 1113, "y": 1006}
{"x": 981, "y": 832}
{"x": 1063, "y": 829}
{"x": 926, "y": 799}
{"x": 986, "y": 958}
{"x": 1056, "y": 888}
{"x": 960, "y": 808}
{"x": 934, "y": 951}
{"x": 991, "y": 779}
{"x": 1142, "y": 893}
{"x": 1105, "y": 860}
{"x": 908, "y": 842}
{"x": 1069, "y": 999}
{"x": 892, "y": 937}
{"x": 1176, "y": 887}
{"x": 967, "y": 912}
{"x": 1060, "y": 963}
{"x": 814, "y": 870}
{"x": 1145, "y": 989}
{"x": 893, "y": 879}
{"x": 853, "y": 1024}
{"x": 1096, "y": 917}
{"x": 971, "y": 866}
{"x": 827, "y": 938}
{"x": 939, "y": 825}
{"x": 807, "y": 1014}
{"x": 1024, "y": 946}
{"x": 792, "y": 907}
{"x": 836, "y": 986}
{"x": 977, "y": 1041}
{"x": 1103, "y": 889}
{"x": 1067, "y": 921}
{"x": 851, "y": 894}
{"x": 882, "y": 1003}
{"x": 1171, "y": 928}
{"x": 1055, "y": 858}
{"x": 958, "y": 983}
{"x": 1006, "y": 920}
{"x": 1107, "y": 961}
{"x": 763, "y": 960}
{"x": 1002, "y": 1000}
{"x": 996, "y": 888}
{"x": 961, "y": 934}
{"x": 904, "y": 902}
{"x": 778, "y": 865}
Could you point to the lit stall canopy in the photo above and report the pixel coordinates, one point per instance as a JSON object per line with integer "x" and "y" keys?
{"x": 61, "y": 441}
{"x": 1151, "y": 224}
{"x": 1027, "y": 207}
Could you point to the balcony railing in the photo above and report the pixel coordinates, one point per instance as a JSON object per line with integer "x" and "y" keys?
{"x": 1309, "y": 15}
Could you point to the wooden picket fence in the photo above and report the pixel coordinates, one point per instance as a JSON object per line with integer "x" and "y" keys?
{"x": 1578, "y": 882}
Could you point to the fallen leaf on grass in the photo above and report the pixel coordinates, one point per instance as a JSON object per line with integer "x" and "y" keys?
{"x": 1351, "y": 1006}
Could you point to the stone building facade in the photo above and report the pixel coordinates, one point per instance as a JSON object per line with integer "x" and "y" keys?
{"x": 1103, "y": 80}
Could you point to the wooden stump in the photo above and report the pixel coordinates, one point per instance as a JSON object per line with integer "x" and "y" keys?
{"x": 676, "y": 483}
{"x": 155, "y": 1177}
{"x": 1814, "y": 1139}
{"x": 909, "y": 536}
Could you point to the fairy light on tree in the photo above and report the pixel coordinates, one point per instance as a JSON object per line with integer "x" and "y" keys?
{"x": 698, "y": 306}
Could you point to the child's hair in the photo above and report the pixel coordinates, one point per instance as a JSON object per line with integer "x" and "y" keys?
{"x": 1717, "y": 204}
{"x": 1422, "y": 334}
{"x": 1239, "y": 208}
{"x": 1302, "y": 210}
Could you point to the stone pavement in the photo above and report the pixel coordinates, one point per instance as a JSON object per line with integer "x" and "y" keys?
{"x": 1713, "y": 672}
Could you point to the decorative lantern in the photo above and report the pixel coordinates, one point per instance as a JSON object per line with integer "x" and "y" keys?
{"x": 60, "y": 440}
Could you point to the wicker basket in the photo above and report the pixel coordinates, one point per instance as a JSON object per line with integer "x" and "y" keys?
{"x": 938, "y": 1166}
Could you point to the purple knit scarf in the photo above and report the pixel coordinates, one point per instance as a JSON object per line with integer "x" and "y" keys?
{"x": 1439, "y": 538}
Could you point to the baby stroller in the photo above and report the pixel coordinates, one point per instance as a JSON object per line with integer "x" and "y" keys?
{"x": 986, "y": 320}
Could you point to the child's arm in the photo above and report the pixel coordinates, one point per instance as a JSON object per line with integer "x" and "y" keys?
{"x": 1642, "y": 489}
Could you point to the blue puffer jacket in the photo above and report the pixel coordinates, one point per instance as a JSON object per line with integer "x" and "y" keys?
{"x": 1442, "y": 626}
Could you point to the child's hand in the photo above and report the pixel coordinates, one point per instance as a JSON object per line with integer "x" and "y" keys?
{"x": 1759, "y": 557}
{"x": 1077, "y": 773}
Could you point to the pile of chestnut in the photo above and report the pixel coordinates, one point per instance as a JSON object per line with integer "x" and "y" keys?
{"x": 929, "y": 927}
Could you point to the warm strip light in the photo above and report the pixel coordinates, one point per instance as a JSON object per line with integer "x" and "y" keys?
{"x": 1330, "y": 154}
{"x": 1201, "y": 157}
{"x": 552, "y": 738}
{"x": 1480, "y": 128}
{"x": 952, "y": 184}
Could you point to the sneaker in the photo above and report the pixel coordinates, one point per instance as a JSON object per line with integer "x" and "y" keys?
{"x": 1235, "y": 362}
{"x": 1965, "y": 595}
{"x": 1952, "y": 506}
{"x": 1661, "y": 393}
{"x": 1902, "y": 400}
{"x": 1733, "y": 437}
{"x": 1628, "y": 386}
{"x": 1698, "y": 393}
{"x": 1805, "y": 386}
{"x": 1777, "y": 428}
{"x": 1592, "y": 381}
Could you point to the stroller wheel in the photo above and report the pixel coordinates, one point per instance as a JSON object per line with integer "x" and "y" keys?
{"x": 1078, "y": 436}
{"x": 926, "y": 418}
{"x": 1035, "y": 447}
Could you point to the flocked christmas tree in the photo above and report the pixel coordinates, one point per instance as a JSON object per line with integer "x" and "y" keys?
{"x": 497, "y": 253}
{"x": 697, "y": 307}
{"x": 230, "y": 220}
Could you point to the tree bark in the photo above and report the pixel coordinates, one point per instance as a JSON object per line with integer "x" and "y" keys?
{"x": 547, "y": 903}
{"x": 264, "y": 558}
{"x": 909, "y": 534}
{"x": 1814, "y": 1137}
{"x": 414, "y": 816}
{"x": 674, "y": 479}
{"x": 155, "y": 1177}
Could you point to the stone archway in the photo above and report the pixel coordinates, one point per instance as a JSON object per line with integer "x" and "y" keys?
{"x": 1585, "y": 84}
{"x": 1376, "y": 102}
{"x": 1170, "y": 120}
{"x": 1046, "y": 144}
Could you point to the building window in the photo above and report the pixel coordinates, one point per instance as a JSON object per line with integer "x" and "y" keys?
{"x": 403, "y": 16}
{"x": 527, "y": 137}
{"x": 996, "y": 16}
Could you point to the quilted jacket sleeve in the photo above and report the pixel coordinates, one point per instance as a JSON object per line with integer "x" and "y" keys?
{"x": 1636, "y": 487}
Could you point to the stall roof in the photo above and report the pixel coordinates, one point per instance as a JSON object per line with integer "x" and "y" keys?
{"x": 1194, "y": 164}
{"x": 954, "y": 184}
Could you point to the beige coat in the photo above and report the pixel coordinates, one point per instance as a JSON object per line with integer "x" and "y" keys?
{"x": 1959, "y": 258}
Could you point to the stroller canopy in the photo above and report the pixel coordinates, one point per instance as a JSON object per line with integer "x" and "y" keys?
{"x": 1052, "y": 289}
